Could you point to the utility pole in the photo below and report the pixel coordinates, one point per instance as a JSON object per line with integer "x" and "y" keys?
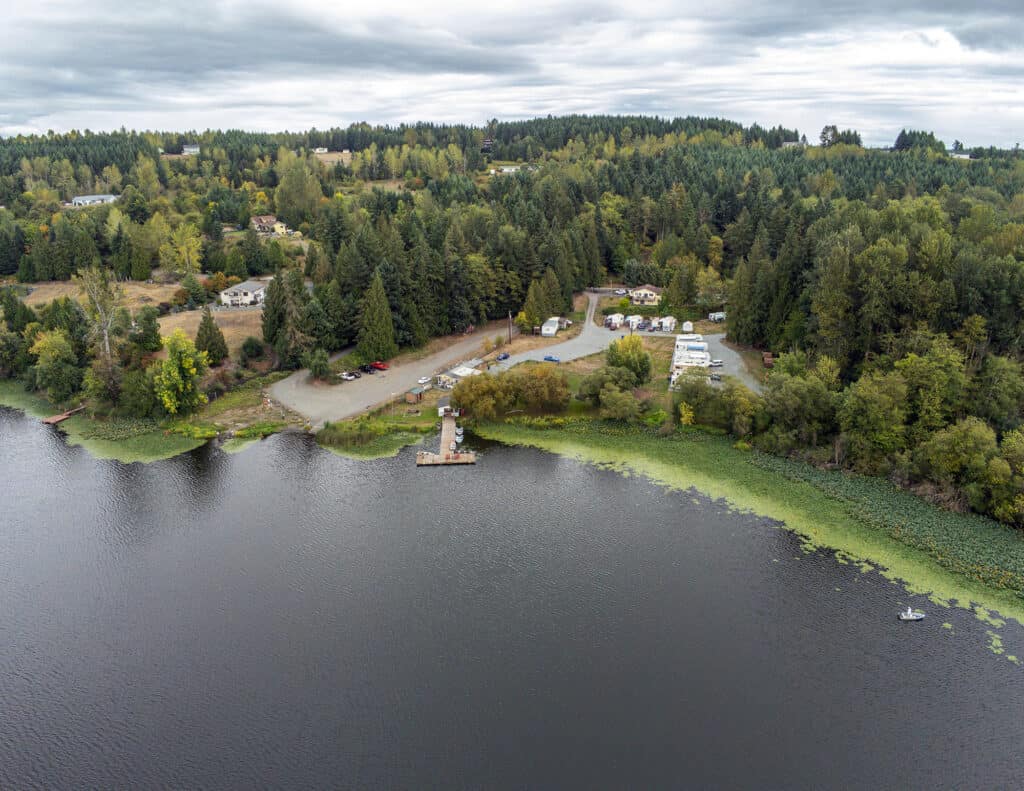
{"x": 510, "y": 326}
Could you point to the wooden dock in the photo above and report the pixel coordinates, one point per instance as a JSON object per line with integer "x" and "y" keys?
{"x": 446, "y": 456}
{"x": 55, "y": 419}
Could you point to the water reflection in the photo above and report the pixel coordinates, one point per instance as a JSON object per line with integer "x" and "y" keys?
{"x": 287, "y": 617}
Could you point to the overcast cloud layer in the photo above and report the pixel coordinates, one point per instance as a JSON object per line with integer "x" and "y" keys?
{"x": 952, "y": 67}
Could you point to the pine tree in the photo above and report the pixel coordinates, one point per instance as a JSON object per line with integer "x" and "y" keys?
{"x": 273, "y": 310}
{"x": 210, "y": 339}
{"x": 552, "y": 291}
{"x": 377, "y": 333}
{"x": 535, "y": 306}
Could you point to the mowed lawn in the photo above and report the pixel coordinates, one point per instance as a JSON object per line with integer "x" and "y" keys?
{"x": 137, "y": 293}
{"x": 237, "y": 325}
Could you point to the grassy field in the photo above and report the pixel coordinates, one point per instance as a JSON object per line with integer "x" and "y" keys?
{"x": 958, "y": 560}
{"x": 137, "y": 293}
{"x": 331, "y": 158}
{"x": 237, "y": 325}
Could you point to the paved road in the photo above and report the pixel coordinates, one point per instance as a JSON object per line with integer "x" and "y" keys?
{"x": 732, "y": 362}
{"x": 320, "y": 402}
{"x": 591, "y": 340}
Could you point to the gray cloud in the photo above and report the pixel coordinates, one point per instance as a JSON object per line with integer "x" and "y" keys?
{"x": 939, "y": 64}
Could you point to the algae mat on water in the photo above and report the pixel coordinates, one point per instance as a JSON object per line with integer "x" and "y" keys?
{"x": 822, "y": 518}
{"x": 143, "y": 445}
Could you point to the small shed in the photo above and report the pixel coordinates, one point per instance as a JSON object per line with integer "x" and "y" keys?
{"x": 414, "y": 396}
{"x": 687, "y": 326}
{"x": 549, "y": 329}
{"x": 668, "y": 324}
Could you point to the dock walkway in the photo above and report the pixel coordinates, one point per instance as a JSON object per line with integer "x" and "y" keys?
{"x": 55, "y": 419}
{"x": 446, "y": 455}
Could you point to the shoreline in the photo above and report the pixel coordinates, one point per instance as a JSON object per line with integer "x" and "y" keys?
{"x": 805, "y": 502}
{"x": 822, "y": 519}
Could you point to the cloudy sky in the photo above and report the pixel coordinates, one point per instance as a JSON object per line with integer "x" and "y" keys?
{"x": 952, "y": 66}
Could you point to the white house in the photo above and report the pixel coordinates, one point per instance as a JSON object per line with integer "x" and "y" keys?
{"x": 633, "y": 321}
{"x": 319, "y": 150}
{"x": 549, "y": 329}
{"x": 268, "y": 223}
{"x": 92, "y": 200}
{"x": 645, "y": 295}
{"x": 668, "y": 324}
{"x": 717, "y": 316}
{"x": 687, "y": 326}
{"x": 614, "y": 321}
{"x": 190, "y": 150}
{"x": 249, "y": 292}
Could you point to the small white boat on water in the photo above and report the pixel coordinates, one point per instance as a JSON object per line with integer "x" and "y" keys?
{"x": 910, "y": 615}
{"x": 458, "y": 430}
{"x": 458, "y": 438}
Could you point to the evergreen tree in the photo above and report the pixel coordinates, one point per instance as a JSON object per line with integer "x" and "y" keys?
{"x": 377, "y": 332}
{"x": 554, "y": 302}
{"x": 273, "y": 310}
{"x": 210, "y": 339}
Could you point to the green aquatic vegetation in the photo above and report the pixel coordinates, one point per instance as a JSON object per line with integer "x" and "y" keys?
{"x": 379, "y": 447}
{"x": 120, "y": 439}
{"x": 259, "y": 430}
{"x": 132, "y": 446}
{"x": 817, "y": 506}
{"x": 13, "y": 394}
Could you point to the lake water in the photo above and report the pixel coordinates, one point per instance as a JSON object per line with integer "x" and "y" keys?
{"x": 286, "y": 617}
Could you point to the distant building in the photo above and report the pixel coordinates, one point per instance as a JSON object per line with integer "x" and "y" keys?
{"x": 792, "y": 144}
{"x": 268, "y": 223}
{"x": 190, "y": 150}
{"x": 92, "y": 200}
{"x": 645, "y": 295}
{"x": 249, "y": 292}
{"x": 959, "y": 155}
{"x": 319, "y": 150}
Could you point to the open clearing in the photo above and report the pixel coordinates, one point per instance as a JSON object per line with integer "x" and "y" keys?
{"x": 331, "y": 158}
{"x": 137, "y": 293}
{"x": 236, "y": 324}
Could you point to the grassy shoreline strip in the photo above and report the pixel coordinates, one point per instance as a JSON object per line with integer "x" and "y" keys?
{"x": 821, "y": 517}
{"x": 126, "y": 441}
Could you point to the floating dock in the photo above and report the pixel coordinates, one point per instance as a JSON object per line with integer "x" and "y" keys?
{"x": 55, "y": 419}
{"x": 447, "y": 456}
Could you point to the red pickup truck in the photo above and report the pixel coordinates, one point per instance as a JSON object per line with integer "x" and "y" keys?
{"x": 379, "y": 365}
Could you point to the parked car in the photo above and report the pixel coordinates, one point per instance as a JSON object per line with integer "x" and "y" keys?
{"x": 643, "y": 325}
{"x": 356, "y": 374}
{"x": 716, "y": 363}
{"x": 423, "y": 380}
{"x": 347, "y": 376}
{"x": 550, "y": 358}
{"x": 504, "y": 356}
{"x": 716, "y": 377}
{"x": 366, "y": 368}
{"x": 620, "y": 292}
{"x": 379, "y": 365}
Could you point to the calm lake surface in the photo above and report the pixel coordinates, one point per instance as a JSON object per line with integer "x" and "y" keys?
{"x": 286, "y": 617}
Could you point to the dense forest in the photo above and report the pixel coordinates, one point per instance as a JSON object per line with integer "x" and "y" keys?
{"x": 892, "y": 279}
